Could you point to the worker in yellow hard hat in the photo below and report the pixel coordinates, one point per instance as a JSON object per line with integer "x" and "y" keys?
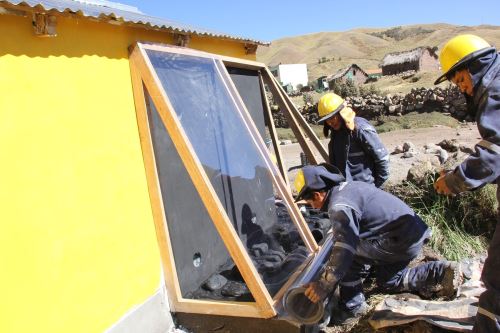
{"x": 472, "y": 64}
{"x": 355, "y": 147}
{"x": 371, "y": 227}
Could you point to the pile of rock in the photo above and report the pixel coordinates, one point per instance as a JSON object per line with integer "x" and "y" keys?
{"x": 437, "y": 156}
{"x": 308, "y": 111}
{"x": 447, "y": 100}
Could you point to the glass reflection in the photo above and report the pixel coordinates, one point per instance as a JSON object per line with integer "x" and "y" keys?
{"x": 232, "y": 162}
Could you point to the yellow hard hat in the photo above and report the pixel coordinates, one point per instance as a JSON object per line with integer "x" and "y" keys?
{"x": 299, "y": 182}
{"x": 329, "y": 105}
{"x": 274, "y": 159}
{"x": 458, "y": 51}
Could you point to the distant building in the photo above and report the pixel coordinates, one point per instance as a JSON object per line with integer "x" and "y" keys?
{"x": 322, "y": 82}
{"x": 293, "y": 74}
{"x": 419, "y": 59}
{"x": 374, "y": 73}
{"x": 352, "y": 72}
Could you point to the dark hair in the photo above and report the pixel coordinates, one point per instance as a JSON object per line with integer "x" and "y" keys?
{"x": 326, "y": 130}
{"x": 308, "y": 195}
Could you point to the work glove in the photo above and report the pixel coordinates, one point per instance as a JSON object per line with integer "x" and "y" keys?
{"x": 316, "y": 291}
{"x": 440, "y": 184}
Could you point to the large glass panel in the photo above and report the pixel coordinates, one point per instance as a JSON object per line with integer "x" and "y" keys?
{"x": 204, "y": 267}
{"x": 248, "y": 84}
{"x": 232, "y": 162}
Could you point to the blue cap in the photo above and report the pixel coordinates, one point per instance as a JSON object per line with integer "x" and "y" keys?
{"x": 319, "y": 177}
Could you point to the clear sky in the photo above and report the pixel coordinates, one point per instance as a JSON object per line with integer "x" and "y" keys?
{"x": 267, "y": 20}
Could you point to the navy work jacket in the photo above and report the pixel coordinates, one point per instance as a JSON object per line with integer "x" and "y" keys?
{"x": 359, "y": 154}
{"x": 483, "y": 166}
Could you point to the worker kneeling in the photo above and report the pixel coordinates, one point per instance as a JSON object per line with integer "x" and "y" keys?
{"x": 371, "y": 228}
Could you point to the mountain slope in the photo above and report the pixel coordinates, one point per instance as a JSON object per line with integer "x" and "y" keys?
{"x": 365, "y": 46}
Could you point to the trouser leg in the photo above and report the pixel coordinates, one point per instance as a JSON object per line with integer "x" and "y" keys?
{"x": 488, "y": 316}
{"x": 351, "y": 286}
{"x": 398, "y": 277}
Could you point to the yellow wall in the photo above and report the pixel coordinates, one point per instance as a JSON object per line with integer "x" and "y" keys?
{"x": 77, "y": 241}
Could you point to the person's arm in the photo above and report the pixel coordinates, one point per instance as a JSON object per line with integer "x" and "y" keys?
{"x": 483, "y": 166}
{"x": 345, "y": 228}
{"x": 376, "y": 150}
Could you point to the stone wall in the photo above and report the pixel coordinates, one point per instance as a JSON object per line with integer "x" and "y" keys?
{"x": 449, "y": 100}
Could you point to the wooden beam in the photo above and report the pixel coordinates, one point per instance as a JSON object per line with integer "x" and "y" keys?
{"x": 272, "y": 132}
{"x": 159, "y": 218}
{"x": 181, "y": 39}
{"x": 250, "y": 48}
{"x": 269, "y": 80}
{"x": 303, "y": 123}
{"x": 44, "y": 24}
{"x": 222, "y": 308}
{"x": 203, "y": 186}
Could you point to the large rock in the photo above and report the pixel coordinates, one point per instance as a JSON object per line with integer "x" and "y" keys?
{"x": 449, "y": 145}
{"x": 419, "y": 171}
{"x": 408, "y": 146}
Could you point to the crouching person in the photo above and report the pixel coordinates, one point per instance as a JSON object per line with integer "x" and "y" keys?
{"x": 371, "y": 228}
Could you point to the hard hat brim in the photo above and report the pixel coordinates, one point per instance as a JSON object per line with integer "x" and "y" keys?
{"x": 463, "y": 63}
{"x": 331, "y": 114}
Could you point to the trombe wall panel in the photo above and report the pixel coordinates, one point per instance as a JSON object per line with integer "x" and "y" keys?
{"x": 248, "y": 85}
{"x": 232, "y": 163}
{"x": 198, "y": 249}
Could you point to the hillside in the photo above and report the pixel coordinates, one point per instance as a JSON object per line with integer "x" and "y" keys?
{"x": 366, "y": 47}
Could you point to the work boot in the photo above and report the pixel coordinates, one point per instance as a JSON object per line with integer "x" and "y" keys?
{"x": 452, "y": 279}
{"x": 346, "y": 317}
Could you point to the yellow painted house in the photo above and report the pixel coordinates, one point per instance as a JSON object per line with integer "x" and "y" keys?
{"x": 78, "y": 246}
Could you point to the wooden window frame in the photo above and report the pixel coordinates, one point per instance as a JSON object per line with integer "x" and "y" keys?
{"x": 144, "y": 78}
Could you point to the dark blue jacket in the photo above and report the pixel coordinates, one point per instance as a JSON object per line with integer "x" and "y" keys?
{"x": 361, "y": 213}
{"x": 483, "y": 166}
{"x": 359, "y": 154}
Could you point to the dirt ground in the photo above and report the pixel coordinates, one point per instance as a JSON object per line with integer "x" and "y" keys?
{"x": 466, "y": 134}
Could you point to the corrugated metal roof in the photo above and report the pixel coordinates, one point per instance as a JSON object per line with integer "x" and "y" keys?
{"x": 102, "y": 9}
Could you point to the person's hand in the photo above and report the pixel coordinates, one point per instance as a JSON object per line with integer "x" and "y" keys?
{"x": 440, "y": 184}
{"x": 315, "y": 292}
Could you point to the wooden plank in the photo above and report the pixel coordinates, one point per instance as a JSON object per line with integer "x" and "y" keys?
{"x": 269, "y": 80}
{"x": 279, "y": 184}
{"x": 203, "y": 186}
{"x": 230, "y": 61}
{"x": 159, "y": 218}
{"x": 242, "y": 63}
{"x": 272, "y": 131}
{"x": 303, "y": 123}
{"x": 223, "y": 308}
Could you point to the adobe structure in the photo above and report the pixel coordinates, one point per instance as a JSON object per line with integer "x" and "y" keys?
{"x": 352, "y": 72}
{"x": 419, "y": 59}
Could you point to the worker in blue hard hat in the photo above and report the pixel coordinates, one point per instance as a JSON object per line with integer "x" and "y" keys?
{"x": 472, "y": 64}
{"x": 371, "y": 227}
{"x": 355, "y": 147}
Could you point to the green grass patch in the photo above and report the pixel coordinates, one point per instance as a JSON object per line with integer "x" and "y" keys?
{"x": 413, "y": 120}
{"x": 460, "y": 225}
